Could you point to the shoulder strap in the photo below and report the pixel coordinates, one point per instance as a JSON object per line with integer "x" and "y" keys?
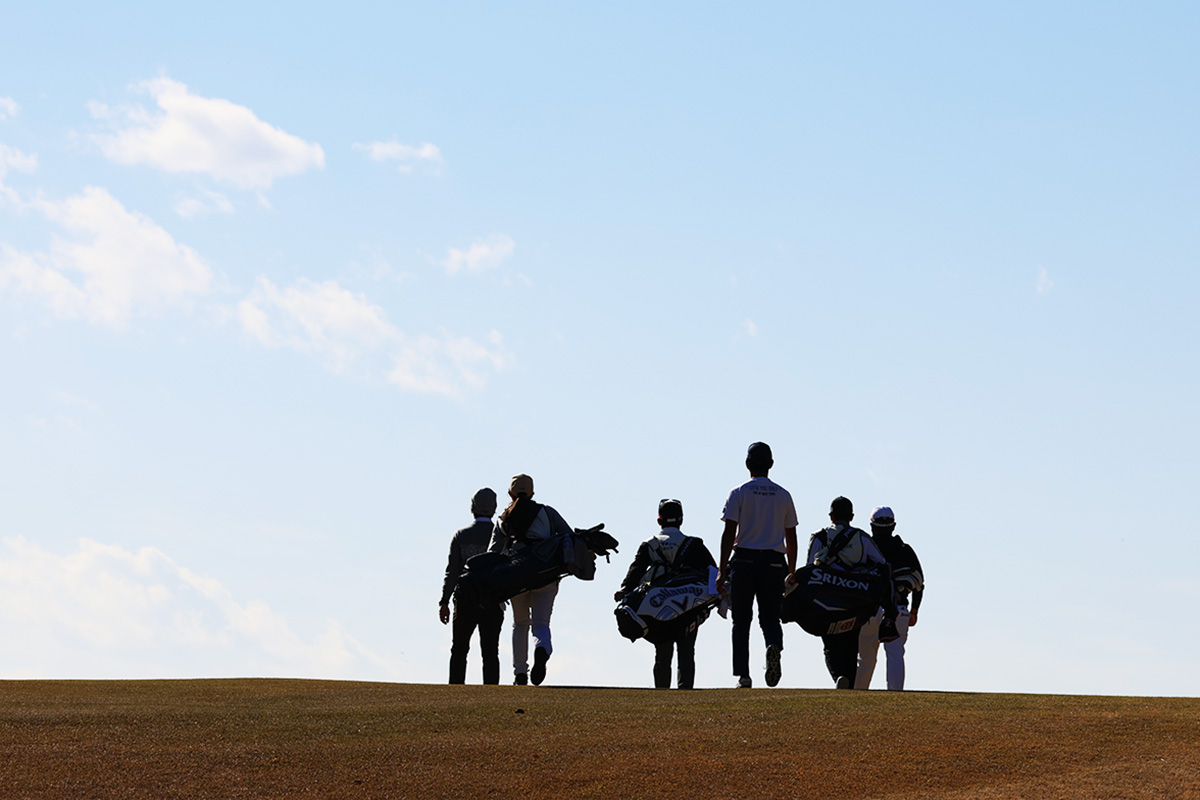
{"x": 840, "y": 541}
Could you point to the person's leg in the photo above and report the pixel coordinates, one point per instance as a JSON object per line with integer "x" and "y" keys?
{"x": 541, "y": 607}
{"x": 491, "y": 621}
{"x": 868, "y": 651}
{"x": 768, "y": 591}
{"x": 772, "y": 570}
{"x": 686, "y": 679}
{"x": 894, "y": 651}
{"x": 841, "y": 656}
{"x": 663, "y": 651}
{"x": 741, "y": 606}
{"x": 462, "y": 626}
{"x": 520, "y": 633}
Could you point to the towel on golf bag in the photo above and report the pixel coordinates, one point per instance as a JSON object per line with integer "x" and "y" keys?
{"x": 656, "y": 611}
{"x": 827, "y": 598}
{"x": 490, "y": 578}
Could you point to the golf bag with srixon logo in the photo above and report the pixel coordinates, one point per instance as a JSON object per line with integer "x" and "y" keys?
{"x": 490, "y": 578}
{"x": 828, "y": 598}
{"x": 655, "y": 611}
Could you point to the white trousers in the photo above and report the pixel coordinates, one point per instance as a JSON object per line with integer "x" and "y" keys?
{"x": 868, "y": 652}
{"x": 531, "y": 610}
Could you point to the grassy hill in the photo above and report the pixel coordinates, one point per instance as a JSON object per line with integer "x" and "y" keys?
{"x": 284, "y": 738}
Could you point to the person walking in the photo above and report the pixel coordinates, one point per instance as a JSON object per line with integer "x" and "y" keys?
{"x": 758, "y": 552}
{"x": 466, "y": 542}
{"x": 852, "y": 549}
{"x": 523, "y": 524}
{"x": 908, "y": 580}
{"x": 669, "y": 554}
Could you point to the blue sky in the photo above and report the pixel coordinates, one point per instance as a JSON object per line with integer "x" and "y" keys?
{"x": 280, "y": 289}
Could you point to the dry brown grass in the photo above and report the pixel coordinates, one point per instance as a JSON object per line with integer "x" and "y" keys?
{"x": 277, "y": 738}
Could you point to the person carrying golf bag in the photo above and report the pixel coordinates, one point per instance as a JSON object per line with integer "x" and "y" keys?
{"x": 846, "y": 580}
{"x": 673, "y": 580}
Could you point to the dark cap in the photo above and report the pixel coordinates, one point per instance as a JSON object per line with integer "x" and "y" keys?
{"x": 759, "y": 453}
{"x": 841, "y": 508}
{"x": 670, "y": 511}
{"x": 483, "y": 503}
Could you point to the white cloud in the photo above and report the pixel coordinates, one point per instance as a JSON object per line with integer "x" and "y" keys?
{"x": 12, "y": 158}
{"x": 206, "y": 203}
{"x": 343, "y": 330}
{"x": 1044, "y": 283}
{"x": 404, "y": 154}
{"x": 8, "y": 108}
{"x": 321, "y": 319}
{"x": 194, "y": 134}
{"x": 112, "y": 264}
{"x": 447, "y": 365}
{"x": 750, "y": 328}
{"x": 103, "y": 611}
{"x": 488, "y": 254}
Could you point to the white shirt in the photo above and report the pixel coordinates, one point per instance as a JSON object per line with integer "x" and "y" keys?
{"x": 762, "y": 510}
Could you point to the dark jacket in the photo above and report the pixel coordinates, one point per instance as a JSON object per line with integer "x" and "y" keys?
{"x": 691, "y": 556}
{"x": 466, "y": 542}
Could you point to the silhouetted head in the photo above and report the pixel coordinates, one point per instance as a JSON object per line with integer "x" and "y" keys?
{"x": 758, "y": 458}
{"x": 483, "y": 503}
{"x": 883, "y": 521}
{"x": 670, "y": 513}
{"x": 841, "y": 509}
{"x": 521, "y": 485}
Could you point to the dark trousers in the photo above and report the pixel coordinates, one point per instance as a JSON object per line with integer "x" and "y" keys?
{"x": 841, "y": 654}
{"x": 755, "y": 575}
{"x": 685, "y": 642}
{"x": 468, "y": 617}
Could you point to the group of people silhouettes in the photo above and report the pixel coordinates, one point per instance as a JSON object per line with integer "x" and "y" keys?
{"x": 757, "y": 562}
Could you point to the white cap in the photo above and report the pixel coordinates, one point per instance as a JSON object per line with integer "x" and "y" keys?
{"x": 883, "y": 517}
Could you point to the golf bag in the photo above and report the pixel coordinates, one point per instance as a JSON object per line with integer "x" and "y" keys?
{"x": 828, "y": 599}
{"x": 656, "y": 611}
{"x": 491, "y": 578}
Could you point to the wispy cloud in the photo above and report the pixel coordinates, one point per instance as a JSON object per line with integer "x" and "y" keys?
{"x": 8, "y": 108}
{"x": 206, "y": 202}
{"x": 480, "y": 256}
{"x": 104, "y": 611}
{"x": 749, "y": 328}
{"x": 111, "y": 264}
{"x": 349, "y": 334}
{"x": 1044, "y": 284}
{"x": 321, "y": 319}
{"x": 12, "y": 158}
{"x": 203, "y": 135}
{"x": 406, "y": 156}
{"x": 447, "y": 365}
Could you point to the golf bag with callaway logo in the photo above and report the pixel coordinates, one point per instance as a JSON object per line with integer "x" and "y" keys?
{"x": 656, "y": 611}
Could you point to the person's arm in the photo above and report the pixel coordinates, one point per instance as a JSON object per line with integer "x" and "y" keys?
{"x": 499, "y": 539}
{"x": 727, "y": 539}
{"x": 558, "y": 525}
{"x": 789, "y": 544}
{"x": 916, "y": 603}
{"x": 454, "y": 568}
{"x": 815, "y": 545}
{"x": 641, "y": 563}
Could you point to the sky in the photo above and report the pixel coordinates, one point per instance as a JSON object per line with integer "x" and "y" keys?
{"x": 281, "y": 287}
